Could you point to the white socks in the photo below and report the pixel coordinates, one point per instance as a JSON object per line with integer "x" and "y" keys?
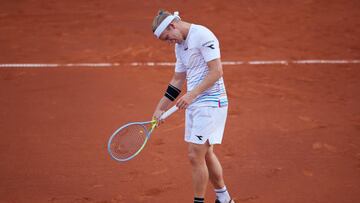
{"x": 222, "y": 195}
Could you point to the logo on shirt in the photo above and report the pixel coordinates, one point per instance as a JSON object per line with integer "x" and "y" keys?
{"x": 199, "y": 137}
{"x": 211, "y": 46}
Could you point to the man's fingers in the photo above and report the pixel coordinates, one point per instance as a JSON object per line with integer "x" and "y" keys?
{"x": 182, "y": 104}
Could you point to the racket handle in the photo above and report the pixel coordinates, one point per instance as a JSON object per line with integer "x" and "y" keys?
{"x": 168, "y": 112}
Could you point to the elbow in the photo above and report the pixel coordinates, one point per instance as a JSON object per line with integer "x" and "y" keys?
{"x": 220, "y": 70}
{"x": 220, "y": 73}
{"x": 216, "y": 74}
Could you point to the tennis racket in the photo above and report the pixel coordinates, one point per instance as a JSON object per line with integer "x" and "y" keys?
{"x": 128, "y": 140}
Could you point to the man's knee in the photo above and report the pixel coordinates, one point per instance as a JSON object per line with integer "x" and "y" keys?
{"x": 193, "y": 158}
{"x": 210, "y": 155}
{"x": 197, "y": 153}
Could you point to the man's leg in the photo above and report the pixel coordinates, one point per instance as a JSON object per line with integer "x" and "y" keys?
{"x": 216, "y": 175}
{"x": 215, "y": 169}
{"x": 200, "y": 174}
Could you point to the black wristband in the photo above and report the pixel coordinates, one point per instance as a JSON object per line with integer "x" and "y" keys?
{"x": 172, "y": 92}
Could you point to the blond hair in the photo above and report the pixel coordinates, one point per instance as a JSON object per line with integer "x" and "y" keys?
{"x": 162, "y": 14}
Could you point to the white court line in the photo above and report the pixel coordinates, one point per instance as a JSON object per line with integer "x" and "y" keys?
{"x": 268, "y": 62}
{"x": 326, "y": 61}
{"x": 135, "y": 64}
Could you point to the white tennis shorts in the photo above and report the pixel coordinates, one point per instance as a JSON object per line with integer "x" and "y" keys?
{"x": 205, "y": 123}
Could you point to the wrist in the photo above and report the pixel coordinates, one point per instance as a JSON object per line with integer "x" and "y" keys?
{"x": 193, "y": 94}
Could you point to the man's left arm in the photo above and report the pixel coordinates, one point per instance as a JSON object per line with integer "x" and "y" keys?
{"x": 214, "y": 74}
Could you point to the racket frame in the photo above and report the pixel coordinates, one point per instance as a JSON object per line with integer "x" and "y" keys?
{"x": 148, "y": 133}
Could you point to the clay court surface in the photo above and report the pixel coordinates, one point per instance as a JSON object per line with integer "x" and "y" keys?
{"x": 292, "y": 133}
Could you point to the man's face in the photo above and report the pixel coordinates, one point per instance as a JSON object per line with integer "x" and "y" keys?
{"x": 171, "y": 35}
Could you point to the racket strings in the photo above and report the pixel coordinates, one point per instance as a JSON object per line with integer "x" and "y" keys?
{"x": 128, "y": 141}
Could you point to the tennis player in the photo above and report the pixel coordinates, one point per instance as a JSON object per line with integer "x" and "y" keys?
{"x": 198, "y": 63}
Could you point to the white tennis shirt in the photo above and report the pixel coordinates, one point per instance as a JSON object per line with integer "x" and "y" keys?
{"x": 192, "y": 55}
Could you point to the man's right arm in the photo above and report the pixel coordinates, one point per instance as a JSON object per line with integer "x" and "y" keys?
{"x": 177, "y": 81}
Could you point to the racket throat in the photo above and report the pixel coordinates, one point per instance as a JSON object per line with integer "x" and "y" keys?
{"x": 153, "y": 124}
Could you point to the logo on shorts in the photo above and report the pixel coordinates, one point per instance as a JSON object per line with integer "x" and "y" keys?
{"x": 199, "y": 137}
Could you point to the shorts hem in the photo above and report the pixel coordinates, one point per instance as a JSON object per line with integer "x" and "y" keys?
{"x": 210, "y": 143}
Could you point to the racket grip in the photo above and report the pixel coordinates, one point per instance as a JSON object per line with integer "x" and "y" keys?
{"x": 168, "y": 112}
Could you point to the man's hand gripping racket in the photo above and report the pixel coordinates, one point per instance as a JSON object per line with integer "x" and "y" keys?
{"x": 128, "y": 140}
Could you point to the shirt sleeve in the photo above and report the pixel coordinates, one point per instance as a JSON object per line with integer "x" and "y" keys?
{"x": 179, "y": 66}
{"x": 209, "y": 46}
